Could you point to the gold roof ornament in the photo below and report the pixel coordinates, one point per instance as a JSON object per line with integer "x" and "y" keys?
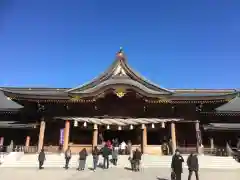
{"x": 120, "y": 92}
{"x": 75, "y": 98}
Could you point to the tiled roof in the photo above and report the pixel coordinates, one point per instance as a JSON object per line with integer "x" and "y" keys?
{"x": 231, "y": 106}
{"x": 6, "y": 104}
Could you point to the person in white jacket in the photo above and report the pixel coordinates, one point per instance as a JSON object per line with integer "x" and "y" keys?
{"x": 123, "y": 147}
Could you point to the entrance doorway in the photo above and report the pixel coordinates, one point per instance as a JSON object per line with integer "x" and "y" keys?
{"x": 124, "y": 135}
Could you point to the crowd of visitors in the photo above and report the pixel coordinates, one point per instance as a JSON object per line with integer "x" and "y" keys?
{"x": 106, "y": 150}
{"x": 114, "y": 149}
{"x": 134, "y": 159}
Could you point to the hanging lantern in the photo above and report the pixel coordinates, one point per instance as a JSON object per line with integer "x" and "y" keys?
{"x": 163, "y": 124}
{"x": 75, "y": 123}
{"x": 95, "y": 127}
{"x": 85, "y": 124}
{"x": 131, "y": 126}
{"x": 108, "y": 127}
{"x": 119, "y": 128}
{"x": 153, "y": 126}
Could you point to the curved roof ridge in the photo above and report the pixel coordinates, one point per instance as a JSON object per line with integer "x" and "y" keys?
{"x": 147, "y": 80}
{"x": 99, "y": 77}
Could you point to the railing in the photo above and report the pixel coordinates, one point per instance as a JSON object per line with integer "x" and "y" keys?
{"x": 210, "y": 151}
{"x": 187, "y": 150}
{"x": 17, "y": 148}
{"x": 30, "y": 149}
{"x": 218, "y": 151}
{"x": 47, "y": 149}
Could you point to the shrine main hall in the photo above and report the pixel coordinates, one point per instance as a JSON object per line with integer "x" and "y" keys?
{"x": 122, "y": 104}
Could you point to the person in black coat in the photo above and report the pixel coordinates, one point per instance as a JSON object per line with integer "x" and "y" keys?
{"x": 137, "y": 156}
{"x": 105, "y": 153}
{"x": 176, "y": 165}
{"x": 193, "y": 165}
{"x": 82, "y": 159}
{"x": 41, "y": 159}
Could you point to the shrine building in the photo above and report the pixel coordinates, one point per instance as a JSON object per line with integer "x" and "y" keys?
{"x": 122, "y": 104}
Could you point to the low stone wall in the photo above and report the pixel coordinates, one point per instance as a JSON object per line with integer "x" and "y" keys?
{"x": 153, "y": 149}
{"x": 76, "y": 148}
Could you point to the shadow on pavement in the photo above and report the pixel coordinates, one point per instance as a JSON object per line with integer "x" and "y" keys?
{"x": 127, "y": 168}
{"x": 158, "y": 178}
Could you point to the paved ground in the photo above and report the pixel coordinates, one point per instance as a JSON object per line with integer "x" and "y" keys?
{"x": 110, "y": 174}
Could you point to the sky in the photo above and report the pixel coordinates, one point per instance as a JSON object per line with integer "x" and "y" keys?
{"x": 65, "y": 43}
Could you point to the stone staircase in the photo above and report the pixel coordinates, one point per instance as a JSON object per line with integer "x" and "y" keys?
{"x": 148, "y": 161}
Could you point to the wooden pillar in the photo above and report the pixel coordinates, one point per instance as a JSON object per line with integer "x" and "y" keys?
{"x": 197, "y": 136}
{"x": 95, "y": 135}
{"x": 200, "y": 147}
{"x": 41, "y": 134}
{"x": 27, "y": 142}
{"x": 66, "y": 135}
{"x": 144, "y": 138}
{"x": 173, "y": 136}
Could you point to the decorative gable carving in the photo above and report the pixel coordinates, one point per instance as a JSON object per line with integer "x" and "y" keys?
{"x": 119, "y": 71}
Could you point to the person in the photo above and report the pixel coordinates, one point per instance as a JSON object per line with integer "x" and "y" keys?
{"x": 137, "y": 156}
{"x": 176, "y": 164}
{"x": 165, "y": 148}
{"x": 109, "y": 144}
{"x": 105, "y": 153}
{"x": 238, "y": 144}
{"x": 130, "y": 158}
{"x": 82, "y": 159}
{"x": 95, "y": 154}
{"x": 115, "y": 156}
{"x": 193, "y": 166}
{"x": 123, "y": 147}
{"x": 68, "y": 155}
{"x": 41, "y": 158}
{"x": 170, "y": 147}
{"x": 115, "y": 142}
{"x": 129, "y": 147}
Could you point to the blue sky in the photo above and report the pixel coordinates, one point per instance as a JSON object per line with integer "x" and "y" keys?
{"x": 64, "y": 43}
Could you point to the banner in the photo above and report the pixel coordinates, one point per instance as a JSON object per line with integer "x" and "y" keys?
{"x": 1, "y": 141}
{"x": 61, "y": 139}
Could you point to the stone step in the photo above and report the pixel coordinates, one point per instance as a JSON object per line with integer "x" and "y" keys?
{"x": 148, "y": 161}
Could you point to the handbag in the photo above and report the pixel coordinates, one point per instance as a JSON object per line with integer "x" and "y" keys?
{"x": 173, "y": 176}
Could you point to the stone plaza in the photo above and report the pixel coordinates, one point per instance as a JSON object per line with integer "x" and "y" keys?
{"x": 112, "y": 173}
